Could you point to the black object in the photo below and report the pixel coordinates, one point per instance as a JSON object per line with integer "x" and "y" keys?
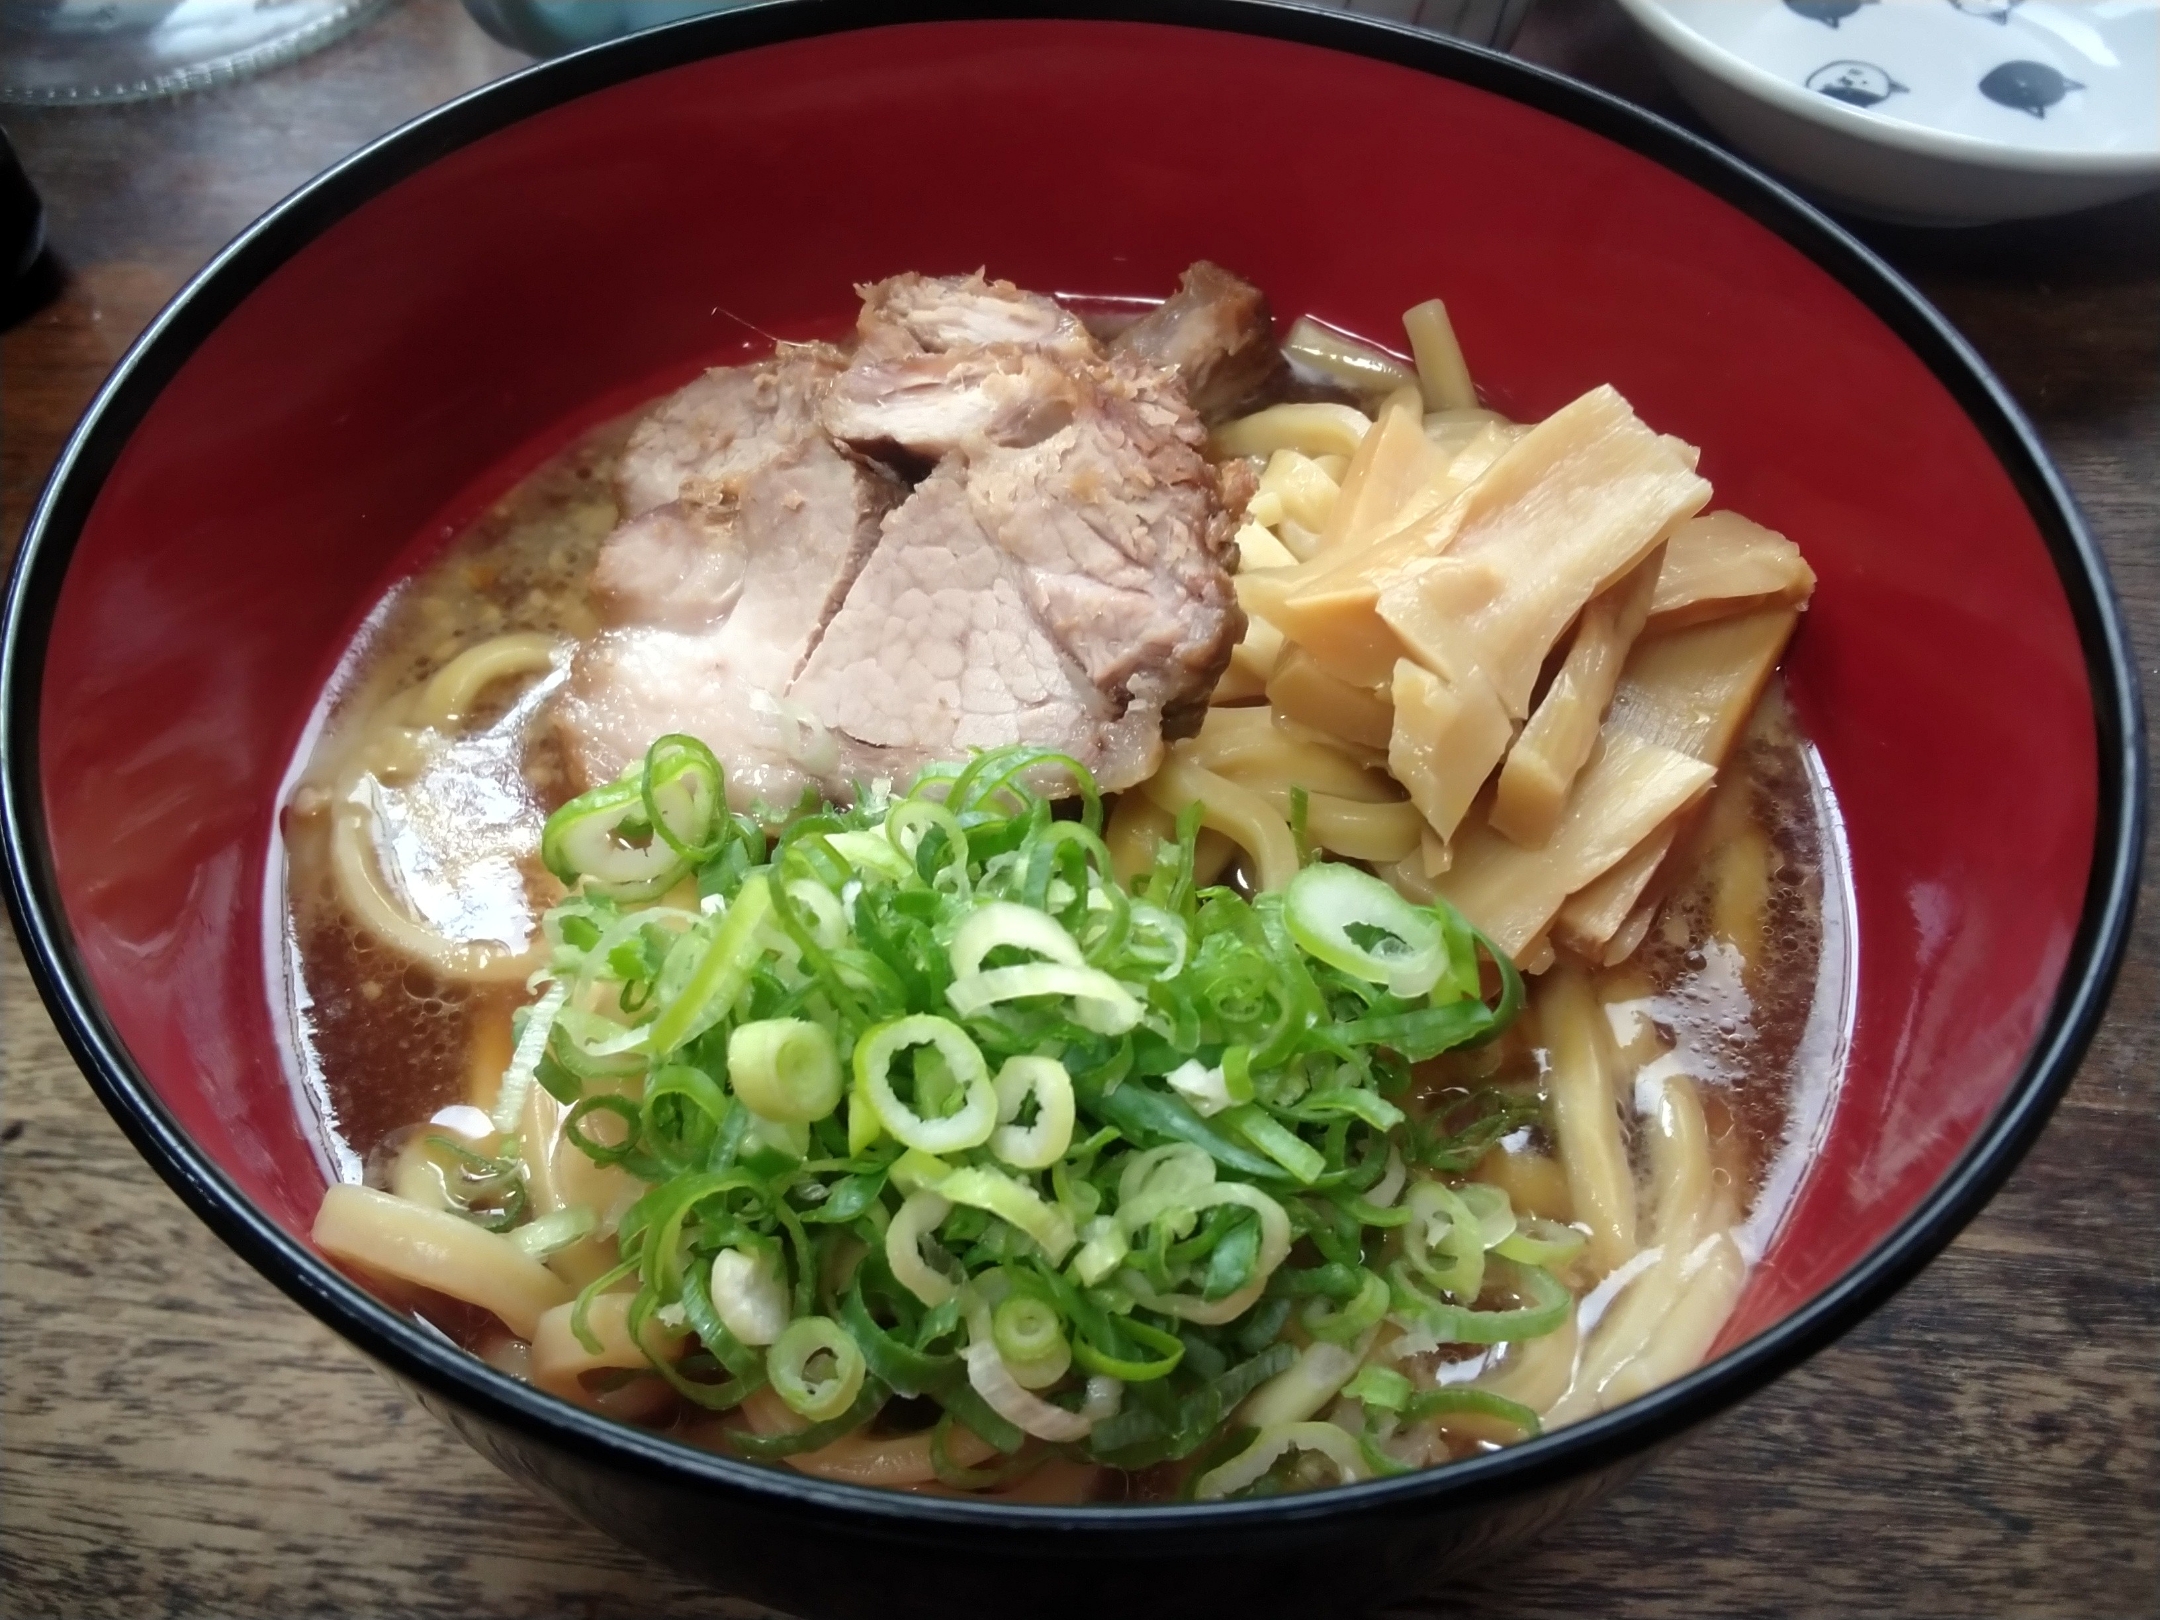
{"x": 838, "y": 1552}
{"x": 1995, "y": 11}
{"x": 22, "y": 232}
{"x": 2029, "y": 87}
{"x": 1827, "y": 12}
{"x": 1857, "y": 84}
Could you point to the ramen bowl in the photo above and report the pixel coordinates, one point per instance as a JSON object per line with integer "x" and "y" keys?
{"x": 374, "y": 360}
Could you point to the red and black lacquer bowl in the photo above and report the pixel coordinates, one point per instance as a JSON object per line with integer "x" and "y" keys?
{"x": 399, "y": 341}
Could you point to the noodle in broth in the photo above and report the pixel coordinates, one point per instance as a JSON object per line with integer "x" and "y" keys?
{"x": 1641, "y": 1122}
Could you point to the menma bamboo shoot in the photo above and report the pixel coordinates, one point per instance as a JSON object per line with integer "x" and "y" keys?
{"x": 1555, "y": 744}
{"x": 1630, "y": 788}
{"x": 1446, "y": 736}
{"x": 1720, "y": 564}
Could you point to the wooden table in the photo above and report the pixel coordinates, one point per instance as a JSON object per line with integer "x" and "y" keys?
{"x": 179, "y": 1440}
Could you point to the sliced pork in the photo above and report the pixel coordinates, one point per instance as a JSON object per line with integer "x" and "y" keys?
{"x": 932, "y": 405}
{"x": 1120, "y": 525}
{"x": 676, "y": 567}
{"x": 790, "y": 540}
{"x": 939, "y": 650}
{"x": 1059, "y": 577}
{"x": 726, "y": 424}
{"x": 913, "y": 314}
{"x": 1216, "y": 334}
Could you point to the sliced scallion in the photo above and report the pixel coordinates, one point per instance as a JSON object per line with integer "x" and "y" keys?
{"x": 816, "y": 1368}
{"x": 966, "y": 1126}
{"x": 785, "y": 1069}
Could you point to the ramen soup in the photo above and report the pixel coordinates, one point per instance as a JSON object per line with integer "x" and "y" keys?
{"x": 1121, "y": 911}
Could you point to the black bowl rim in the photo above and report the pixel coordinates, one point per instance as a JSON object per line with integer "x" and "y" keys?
{"x": 435, "y": 1365}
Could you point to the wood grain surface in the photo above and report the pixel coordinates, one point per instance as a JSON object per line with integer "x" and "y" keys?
{"x": 177, "y": 1440}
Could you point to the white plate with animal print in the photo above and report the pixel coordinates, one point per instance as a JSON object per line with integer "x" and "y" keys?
{"x": 1939, "y": 110}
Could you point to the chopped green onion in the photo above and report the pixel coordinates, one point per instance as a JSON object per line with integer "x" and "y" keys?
{"x": 966, "y": 1126}
{"x": 1110, "y": 1116}
{"x": 870, "y": 852}
{"x": 785, "y": 1069}
{"x": 1274, "y": 1249}
{"x": 1031, "y": 1414}
{"x": 1381, "y": 1388}
{"x": 545, "y": 1234}
{"x": 1031, "y": 1338}
{"x": 1537, "y": 1241}
{"x": 1000, "y": 924}
{"x": 1366, "y": 1307}
{"x": 1246, "y": 1469}
{"x": 1440, "y": 1218}
{"x": 603, "y": 838}
{"x": 1468, "y": 1398}
{"x": 918, "y": 1218}
{"x": 722, "y": 972}
{"x": 749, "y": 1295}
{"x": 1267, "y": 1133}
{"x": 684, "y": 792}
{"x": 993, "y": 1191}
{"x": 792, "y": 1365}
{"x": 1043, "y": 1143}
{"x": 1100, "y": 1003}
{"x": 1352, "y": 921}
{"x": 1490, "y": 1208}
{"x": 517, "y": 1080}
{"x": 1548, "y": 1306}
{"x": 1103, "y": 1249}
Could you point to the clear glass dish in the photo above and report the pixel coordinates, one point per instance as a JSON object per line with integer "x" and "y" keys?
{"x": 60, "y": 51}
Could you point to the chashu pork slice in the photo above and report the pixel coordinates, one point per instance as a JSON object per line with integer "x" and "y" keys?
{"x": 938, "y": 650}
{"x": 1125, "y": 543}
{"x": 1084, "y": 467}
{"x": 945, "y": 361}
{"x": 914, "y": 314}
{"x": 931, "y": 405}
{"x": 1215, "y": 334}
{"x": 685, "y": 654}
{"x": 677, "y": 567}
{"x": 725, "y": 424}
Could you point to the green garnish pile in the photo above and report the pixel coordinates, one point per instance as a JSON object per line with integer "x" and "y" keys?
{"x": 931, "y": 1106}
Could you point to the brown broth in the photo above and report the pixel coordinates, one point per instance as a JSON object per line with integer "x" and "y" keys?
{"x": 1740, "y": 981}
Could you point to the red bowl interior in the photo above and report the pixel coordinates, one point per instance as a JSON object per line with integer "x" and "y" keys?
{"x": 429, "y": 347}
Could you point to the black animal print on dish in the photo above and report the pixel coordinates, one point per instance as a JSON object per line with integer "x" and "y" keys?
{"x": 1827, "y": 12}
{"x": 2029, "y": 87}
{"x": 1995, "y": 11}
{"x": 1857, "y": 84}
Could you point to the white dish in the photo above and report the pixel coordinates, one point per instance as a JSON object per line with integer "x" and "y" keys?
{"x": 1928, "y": 111}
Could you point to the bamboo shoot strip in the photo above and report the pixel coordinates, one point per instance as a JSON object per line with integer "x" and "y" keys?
{"x": 1555, "y": 744}
{"x": 1309, "y": 695}
{"x": 1720, "y": 564}
{"x": 1694, "y": 689}
{"x": 1442, "y": 373}
{"x": 1572, "y": 507}
{"x": 1691, "y": 690}
{"x": 1397, "y": 474}
{"x": 1446, "y": 736}
{"x": 1327, "y": 605}
{"x": 1630, "y": 788}
{"x": 1595, "y": 913}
